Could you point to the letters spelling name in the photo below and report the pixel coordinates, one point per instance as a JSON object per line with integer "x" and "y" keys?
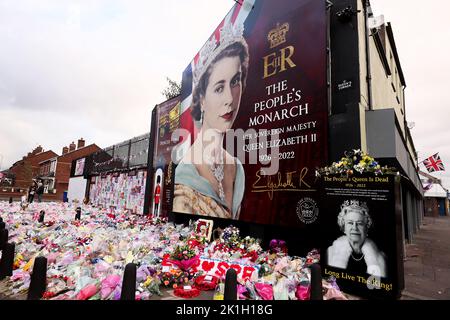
{"x": 278, "y": 62}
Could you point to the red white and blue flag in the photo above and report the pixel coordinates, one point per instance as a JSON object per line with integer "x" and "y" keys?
{"x": 434, "y": 163}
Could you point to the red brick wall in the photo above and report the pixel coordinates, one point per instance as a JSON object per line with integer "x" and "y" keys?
{"x": 63, "y": 168}
{"x": 29, "y": 168}
{"x": 79, "y": 153}
{"x": 62, "y": 175}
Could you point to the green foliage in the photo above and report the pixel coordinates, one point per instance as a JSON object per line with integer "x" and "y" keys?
{"x": 172, "y": 90}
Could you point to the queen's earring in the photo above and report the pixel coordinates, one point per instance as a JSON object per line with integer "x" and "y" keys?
{"x": 201, "y": 116}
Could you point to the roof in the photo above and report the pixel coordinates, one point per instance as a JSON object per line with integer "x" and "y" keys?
{"x": 390, "y": 35}
{"x": 436, "y": 191}
{"x": 48, "y": 153}
{"x": 49, "y": 160}
{"x": 78, "y": 153}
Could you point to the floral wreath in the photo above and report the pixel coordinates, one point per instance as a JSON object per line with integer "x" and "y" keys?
{"x": 186, "y": 292}
{"x": 356, "y": 160}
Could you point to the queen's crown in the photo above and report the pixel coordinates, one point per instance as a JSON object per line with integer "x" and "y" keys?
{"x": 354, "y": 205}
{"x": 229, "y": 34}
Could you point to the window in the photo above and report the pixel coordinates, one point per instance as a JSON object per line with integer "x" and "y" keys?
{"x": 391, "y": 59}
{"x": 396, "y": 77}
{"x": 52, "y": 167}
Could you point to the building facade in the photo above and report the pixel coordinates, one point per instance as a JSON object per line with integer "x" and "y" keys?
{"x": 367, "y": 99}
{"x": 117, "y": 176}
{"x": 55, "y": 172}
{"x": 436, "y": 196}
{"x": 22, "y": 172}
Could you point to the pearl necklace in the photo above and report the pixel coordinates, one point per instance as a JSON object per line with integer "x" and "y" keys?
{"x": 218, "y": 172}
{"x": 357, "y": 259}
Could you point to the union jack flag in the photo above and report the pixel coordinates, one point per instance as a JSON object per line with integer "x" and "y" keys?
{"x": 434, "y": 163}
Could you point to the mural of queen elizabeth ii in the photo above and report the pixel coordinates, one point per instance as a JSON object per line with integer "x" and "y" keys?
{"x": 208, "y": 180}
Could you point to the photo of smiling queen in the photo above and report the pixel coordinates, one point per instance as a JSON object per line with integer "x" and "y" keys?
{"x": 208, "y": 180}
{"x": 354, "y": 251}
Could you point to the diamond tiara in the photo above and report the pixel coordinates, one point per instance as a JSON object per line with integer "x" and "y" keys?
{"x": 229, "y": 34}
{"x": 355, "y": 205}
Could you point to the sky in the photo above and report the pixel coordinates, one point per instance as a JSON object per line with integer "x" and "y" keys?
{"x": 423, "y": 42}
{"x": 95, "y": 68}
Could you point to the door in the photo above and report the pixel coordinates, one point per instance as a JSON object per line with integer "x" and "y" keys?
{"x": 442, "y": 207}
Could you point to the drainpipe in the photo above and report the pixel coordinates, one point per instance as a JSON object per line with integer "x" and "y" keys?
{"x": 366, "y": 6}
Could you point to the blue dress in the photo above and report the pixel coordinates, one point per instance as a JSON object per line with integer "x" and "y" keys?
{"x": 186, "y": 174}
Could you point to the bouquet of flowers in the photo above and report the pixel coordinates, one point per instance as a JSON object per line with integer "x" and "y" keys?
{"x": 251, "y": 248}
{"x": 57, "y": 284}
{"x": 231, "y": 245}
{"x": 196, "y": 240}
{"x": 184, "y": 257}
{"x": 358, "y": 161}
{"x": 278, "y": 246}
{"x": 155, "y": 220}
{"x": 230, "y": 236}
{"x": 183, "y": 252}
{"x": 174, "y": 278}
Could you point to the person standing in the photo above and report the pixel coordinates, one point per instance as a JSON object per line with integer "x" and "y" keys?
{"x": 31, "y": 192}
{"x": 40, "y": 190}
{"x": 157, "y": 195}
{"x": 23, "y": 200}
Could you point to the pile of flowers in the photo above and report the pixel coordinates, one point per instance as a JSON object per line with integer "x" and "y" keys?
{"x": 355, "y": 161}
{"x": 87, "y": 258}
{"x": 231, "y": 246}
{"x": 155, "y": 220}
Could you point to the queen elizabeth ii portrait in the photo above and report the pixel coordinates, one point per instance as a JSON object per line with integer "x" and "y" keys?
{"x": 355, "y": 251}
{"x": 208, "y": 180}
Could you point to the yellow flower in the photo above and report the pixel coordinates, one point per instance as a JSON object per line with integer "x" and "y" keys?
{"x": 148, "y": 281}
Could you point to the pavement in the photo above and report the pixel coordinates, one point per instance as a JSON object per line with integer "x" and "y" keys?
{"x": 427, "y": 262}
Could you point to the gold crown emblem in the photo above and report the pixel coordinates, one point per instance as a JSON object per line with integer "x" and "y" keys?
{"x": 355, "y": 205}
{"x": 174, "y": 117}
{"x": 277, "y": 35}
